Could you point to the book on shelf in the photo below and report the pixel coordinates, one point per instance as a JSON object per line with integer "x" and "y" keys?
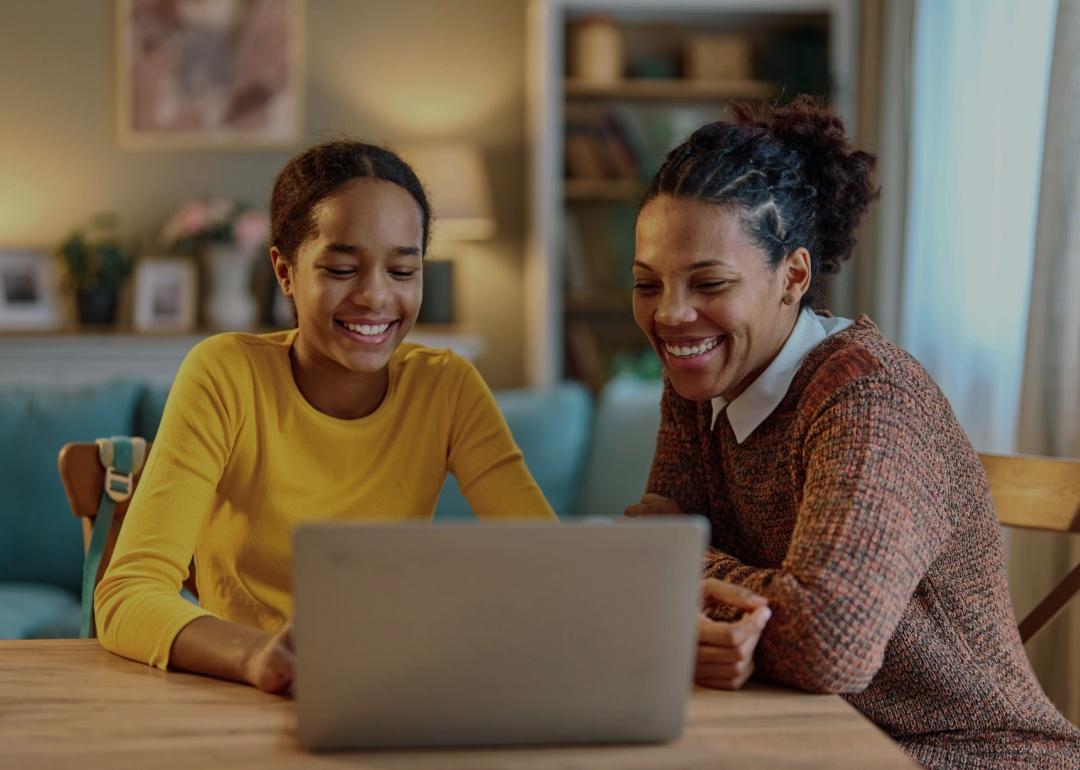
{"x": 621, "y": 155}
{"x": 599, "y": 146}
{"x": 625, "y": 130}
{"x": 578, "y": 277}
{"x": 584, "y": 158}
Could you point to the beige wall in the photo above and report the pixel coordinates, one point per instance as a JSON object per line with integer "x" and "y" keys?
{"x": 382, "y": 70}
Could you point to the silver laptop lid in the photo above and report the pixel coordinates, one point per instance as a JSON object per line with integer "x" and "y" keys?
{"x": 494, "y": 634}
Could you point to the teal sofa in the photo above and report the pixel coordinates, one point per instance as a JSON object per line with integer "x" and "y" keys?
{"x": 589, "y": 456}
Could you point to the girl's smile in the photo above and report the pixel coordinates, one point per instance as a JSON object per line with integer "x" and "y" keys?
{"x": 369, "y": 332}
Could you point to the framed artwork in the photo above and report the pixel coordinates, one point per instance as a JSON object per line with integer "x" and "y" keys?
{"x": 205, "y": 74}
{"x": 165, "y": 294}
{"x": 28, "y": 296}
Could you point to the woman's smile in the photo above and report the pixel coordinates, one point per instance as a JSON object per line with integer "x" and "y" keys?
{"x": 690, "y": 353}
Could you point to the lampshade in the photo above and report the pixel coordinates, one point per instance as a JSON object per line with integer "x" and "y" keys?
{"x": 454, "y": 175}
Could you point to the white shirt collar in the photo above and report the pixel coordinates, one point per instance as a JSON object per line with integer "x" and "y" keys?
{"x": 753, "y": 406}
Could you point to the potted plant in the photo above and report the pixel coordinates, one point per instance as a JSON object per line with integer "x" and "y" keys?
{"x": 97, "y": 265}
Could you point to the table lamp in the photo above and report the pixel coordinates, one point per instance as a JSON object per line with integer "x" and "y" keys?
{"x": 454, "y": 176}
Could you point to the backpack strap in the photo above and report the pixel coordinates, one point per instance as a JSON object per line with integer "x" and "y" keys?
{"x": 122, "y": 457}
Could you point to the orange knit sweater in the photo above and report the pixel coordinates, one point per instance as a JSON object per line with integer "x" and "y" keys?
{"x": 860, "y": 509}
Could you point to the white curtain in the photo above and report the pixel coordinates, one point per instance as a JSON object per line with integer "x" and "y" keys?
{"x": 981, "y": 69}
{"x": 880, "y": 278}
{"x": 980, "y": 188}
{"x": 1050, "y": 408}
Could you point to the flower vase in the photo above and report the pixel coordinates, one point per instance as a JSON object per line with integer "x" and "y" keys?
{"x": 230, "y": 303}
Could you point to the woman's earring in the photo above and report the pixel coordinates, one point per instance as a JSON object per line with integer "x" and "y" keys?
{"x": 788, "y": 299}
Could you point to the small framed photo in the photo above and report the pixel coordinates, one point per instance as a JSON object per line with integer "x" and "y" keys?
{"x": 28, "y": 296}
{"x": 209, "y": 74}
{"x": 165, "y": 294}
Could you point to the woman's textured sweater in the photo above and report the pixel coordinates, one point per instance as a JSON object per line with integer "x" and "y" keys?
{"x": 860, "y": 509}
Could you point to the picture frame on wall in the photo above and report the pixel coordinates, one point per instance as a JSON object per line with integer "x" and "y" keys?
{"x": 28, "y": 290}
{"x": 166, "y": 295}
{"x": 209, "y": 74}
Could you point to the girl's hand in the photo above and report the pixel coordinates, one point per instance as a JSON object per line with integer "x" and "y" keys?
{"x": 653, "y": 505}
{"x": 271, "y": 666}
{"x": 725, "y": 652}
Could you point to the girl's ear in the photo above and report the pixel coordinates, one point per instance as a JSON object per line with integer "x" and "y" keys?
{"x": 283, "y": 271}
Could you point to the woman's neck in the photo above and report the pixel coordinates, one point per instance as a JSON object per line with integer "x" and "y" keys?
{"x": 334, "y": 390}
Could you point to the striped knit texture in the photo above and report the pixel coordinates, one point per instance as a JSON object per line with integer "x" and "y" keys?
{"x": 861, "y": 510}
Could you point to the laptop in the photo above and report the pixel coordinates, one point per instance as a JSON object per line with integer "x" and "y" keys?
{"x": 495, "y": 634}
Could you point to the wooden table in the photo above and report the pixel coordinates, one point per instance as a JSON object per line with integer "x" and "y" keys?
{"x": 68, "y": 703}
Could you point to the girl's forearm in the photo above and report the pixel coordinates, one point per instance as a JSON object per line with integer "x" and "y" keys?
{"x": 217, "y": 648}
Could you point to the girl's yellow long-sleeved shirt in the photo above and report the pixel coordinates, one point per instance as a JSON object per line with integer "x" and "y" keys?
{"x": 241, "y": 458}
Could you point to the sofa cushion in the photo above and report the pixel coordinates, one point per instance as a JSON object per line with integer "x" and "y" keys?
{"x": 623, "y": 442}
{"x": 36, "y": 611}
{"x": 148, "y": 410}
{"x": 552, "y": 428}
{"x": 41, "y": 540}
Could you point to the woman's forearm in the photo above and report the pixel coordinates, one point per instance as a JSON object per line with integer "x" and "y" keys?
{"x": 823, "y": 636}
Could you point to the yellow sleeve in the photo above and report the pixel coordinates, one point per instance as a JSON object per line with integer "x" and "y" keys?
{"x": 483, "y": 456}
{"x": 138, "y": 607}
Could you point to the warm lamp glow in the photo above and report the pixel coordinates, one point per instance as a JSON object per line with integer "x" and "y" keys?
{"x": 415, "y": 101}
{"x": 454, "y": 175}
{"x": 22, "y": 209}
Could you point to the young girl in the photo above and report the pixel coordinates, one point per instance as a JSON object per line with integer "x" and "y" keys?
{"x": 339, "y": 418}
{"x": 840, "y": 485}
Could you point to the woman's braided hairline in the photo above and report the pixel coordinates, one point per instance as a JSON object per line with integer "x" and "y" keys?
{"x": 790, "y": 171}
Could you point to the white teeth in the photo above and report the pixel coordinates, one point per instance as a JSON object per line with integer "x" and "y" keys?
{"x": 684, "y": 351}
{"x": 367, "y": 330}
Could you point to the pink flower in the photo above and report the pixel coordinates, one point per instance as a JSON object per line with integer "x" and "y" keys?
{"x": 186, "y": 222}
{"x": 203, "y": 221}
{"x": 218, "y": 211}
{"x": 250, "y": 230}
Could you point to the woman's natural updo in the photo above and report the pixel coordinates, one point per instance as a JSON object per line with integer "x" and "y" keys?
{"x": 791, "y": 173}
{"x": 323, "y": 170}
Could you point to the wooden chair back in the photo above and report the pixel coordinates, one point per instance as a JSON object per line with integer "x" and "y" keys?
{"x": 84, "y": 480}
{"x": 1040, "y": 493}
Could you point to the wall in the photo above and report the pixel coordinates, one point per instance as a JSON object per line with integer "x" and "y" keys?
{"x": 382, "y": 70}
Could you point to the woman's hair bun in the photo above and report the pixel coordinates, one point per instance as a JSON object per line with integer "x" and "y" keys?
{"x": 840, "y": 174}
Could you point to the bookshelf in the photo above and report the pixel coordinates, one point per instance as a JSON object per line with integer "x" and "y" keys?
{"x": 595, "y": 142}
{"x": 625, "y": 190}
{"x": 671, "y": 90}
{"x": 598, "y": 301}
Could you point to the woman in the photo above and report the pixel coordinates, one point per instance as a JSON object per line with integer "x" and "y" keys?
{"x": 339, "y": 418}
{"x": 839, "y": 484}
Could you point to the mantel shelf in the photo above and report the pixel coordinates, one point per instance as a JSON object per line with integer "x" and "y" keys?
{"x": 72, "y": 358}
{"x": 420, "y": 333}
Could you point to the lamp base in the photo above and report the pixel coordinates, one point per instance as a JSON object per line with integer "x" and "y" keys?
{"x": 438, "y": 300}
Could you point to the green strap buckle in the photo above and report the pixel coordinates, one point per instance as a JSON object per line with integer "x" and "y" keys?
{"x": 118, "y": 485}
{"x": 122, "y": 457}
